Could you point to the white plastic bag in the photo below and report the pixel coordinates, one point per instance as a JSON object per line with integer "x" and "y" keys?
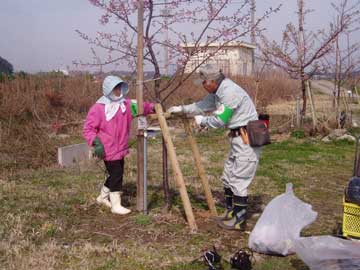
{"x": 328, "y": 253}
{"x": 280, "y": 223}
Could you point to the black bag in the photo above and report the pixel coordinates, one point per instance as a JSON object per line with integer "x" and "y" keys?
{"x": 212, "y": 258}
{"x": 258, "y": 133}
{"x": 242, "y": 259}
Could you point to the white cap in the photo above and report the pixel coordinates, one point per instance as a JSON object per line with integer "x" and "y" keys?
{"x": 207, "y": 72}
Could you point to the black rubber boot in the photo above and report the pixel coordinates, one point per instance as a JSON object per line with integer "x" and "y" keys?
{"x": 227, "y": 215}
{"x": 239, "y": 212}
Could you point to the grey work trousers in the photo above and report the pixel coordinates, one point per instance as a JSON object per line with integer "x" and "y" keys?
{"x": 240, "y": 166}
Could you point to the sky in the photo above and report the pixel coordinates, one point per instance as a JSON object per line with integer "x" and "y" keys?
{"x": 40, "y": 35}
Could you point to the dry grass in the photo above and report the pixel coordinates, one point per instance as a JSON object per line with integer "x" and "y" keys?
{"x": 34, "y": 108}
{"x": 50, "y": 219}
{"x": 323, "y": 106}
{"x": 272, "y": 86}
{"x": 48, "y": 216}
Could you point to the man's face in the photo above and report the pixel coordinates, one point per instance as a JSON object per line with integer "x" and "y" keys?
{"x": 210, "y": 86}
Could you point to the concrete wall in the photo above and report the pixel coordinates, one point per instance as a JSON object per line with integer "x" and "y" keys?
{"x": 72, "y": 154}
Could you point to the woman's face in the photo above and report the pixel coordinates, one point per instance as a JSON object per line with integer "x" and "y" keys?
{"x": 117, "y": 90}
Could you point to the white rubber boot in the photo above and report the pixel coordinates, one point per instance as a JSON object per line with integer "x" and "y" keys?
{"x": 116, "y": 207}
{"x": 103, "y": 198}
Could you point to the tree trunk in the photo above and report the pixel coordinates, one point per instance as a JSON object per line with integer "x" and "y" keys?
{"x": 300, "y": 51}
{"x": 337, "y": 80}
{"x": 166, "y": 187}
{"x": 253, "y": 33}
{"x": 312, "y": 104}
{"x": 338, "y": 73}
{"x": 303, "y": 90}
{"x": 157, "y": 83}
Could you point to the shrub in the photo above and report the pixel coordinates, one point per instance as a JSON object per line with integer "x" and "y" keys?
{"x": 298, "y": 134}
{"x": 5, "y": 66}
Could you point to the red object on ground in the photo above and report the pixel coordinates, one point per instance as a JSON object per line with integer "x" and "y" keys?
{"x": 56, "y": 126}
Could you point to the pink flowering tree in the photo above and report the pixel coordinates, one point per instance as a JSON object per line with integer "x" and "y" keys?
{"x": 301, "y": 51}
{"x": 344, "y": 59}
{"x": 170, "y": 26}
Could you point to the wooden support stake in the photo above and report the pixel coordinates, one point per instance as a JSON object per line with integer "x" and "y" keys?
{"x": 140, "y": 202}
{"x": 176, "y": 168}
{"x": 200, "y": 167}
{"x": 154, "y": 116}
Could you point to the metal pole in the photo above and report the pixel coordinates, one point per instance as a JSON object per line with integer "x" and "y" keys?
{"x": 141, "y": 123}
{"x": 145, "y": 172}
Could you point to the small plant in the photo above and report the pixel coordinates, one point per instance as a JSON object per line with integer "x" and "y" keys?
{"x": 110, "y": 264}
{"x": 143, "y": 220}
{"x": 49, "y": 229}
{"x": 354, "y": 131}
{"x": 298, "y": 134}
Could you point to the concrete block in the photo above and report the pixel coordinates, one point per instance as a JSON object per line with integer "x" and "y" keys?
{"x": 72, "y": 154}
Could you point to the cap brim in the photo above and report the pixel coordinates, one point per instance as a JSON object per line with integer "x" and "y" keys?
{"x": 124, "y": 88}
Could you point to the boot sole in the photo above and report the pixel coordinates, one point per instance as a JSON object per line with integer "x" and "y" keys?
{"x": 218, "y": 219}
{"x": 103, "y": 204}
{"x": 232, "y": 228}
{"x": 121, "y": 214}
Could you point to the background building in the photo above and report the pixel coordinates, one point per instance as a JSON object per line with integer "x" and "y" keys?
{"x": 236, "y": 58}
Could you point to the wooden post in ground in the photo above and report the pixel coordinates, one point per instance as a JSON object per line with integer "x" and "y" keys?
{"x": 176, "y": 168}
{"x": 200, "y": 167}
{"x": 141, "y": 119}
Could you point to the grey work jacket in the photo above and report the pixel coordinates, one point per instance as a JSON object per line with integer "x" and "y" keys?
{"x": 232, "y": 96}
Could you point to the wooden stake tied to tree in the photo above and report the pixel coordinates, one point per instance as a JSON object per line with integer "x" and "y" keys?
{"x": 176, "y": 168}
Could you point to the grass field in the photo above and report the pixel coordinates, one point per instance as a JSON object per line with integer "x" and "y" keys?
{"x": 49, "y": 219}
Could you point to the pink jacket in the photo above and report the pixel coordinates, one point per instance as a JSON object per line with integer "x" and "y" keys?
{"x": 113, "y": 134}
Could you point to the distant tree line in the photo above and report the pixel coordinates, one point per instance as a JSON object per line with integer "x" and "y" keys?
{"x": 6, "y": 67}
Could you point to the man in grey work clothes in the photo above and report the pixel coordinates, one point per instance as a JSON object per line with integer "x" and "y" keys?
{"x": 232, "y": 108}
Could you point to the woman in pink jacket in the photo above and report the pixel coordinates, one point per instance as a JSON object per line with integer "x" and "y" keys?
{"x": 107, "y": 129}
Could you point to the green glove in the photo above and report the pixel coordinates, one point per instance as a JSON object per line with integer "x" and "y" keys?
{"x": 98, "y": 150}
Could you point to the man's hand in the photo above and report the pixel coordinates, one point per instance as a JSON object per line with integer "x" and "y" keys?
{"x": 98, "y": 150}
{"x": 198, "y": 120}
{"x": 175, "y": 109}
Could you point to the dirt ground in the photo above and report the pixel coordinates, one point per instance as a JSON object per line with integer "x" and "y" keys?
{"x": 50, "y": 219}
